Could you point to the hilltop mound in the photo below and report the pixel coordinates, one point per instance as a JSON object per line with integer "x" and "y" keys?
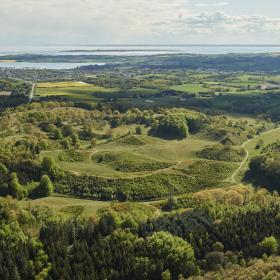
{"x": 133, "y": 140}
{"x": 223, "y": 153}
{"x": 129, "y": 162}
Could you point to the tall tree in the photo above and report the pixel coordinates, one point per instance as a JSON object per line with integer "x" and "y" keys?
{"x": 45, "y": 187}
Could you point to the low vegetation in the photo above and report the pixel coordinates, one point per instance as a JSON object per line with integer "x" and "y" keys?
{"x": 129, "y": 170}
{"x": 223, "y": 153}
{"x": 71, "y": 156}
{"x": 129, "y": 162}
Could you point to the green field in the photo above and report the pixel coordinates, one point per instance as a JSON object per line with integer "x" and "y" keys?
{"x": 80, "y": 91}
{"x": 92, "y": 208}
{"x": 191, "y": 88}
{"x": 152, "y": 151}
{"x": 64, "y": 204}
{"x": 71, "y": 90}
{"x": 268, "y": 137}
{"x": 221, "y": 91}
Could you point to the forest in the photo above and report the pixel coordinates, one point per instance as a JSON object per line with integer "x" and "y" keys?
{"x": 153, "y": 168}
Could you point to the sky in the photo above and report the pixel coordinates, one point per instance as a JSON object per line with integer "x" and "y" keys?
{"x": 51, "y": 22}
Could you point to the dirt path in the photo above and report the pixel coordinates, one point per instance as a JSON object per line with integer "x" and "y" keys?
{"x": 233, "y": 176}
{"x": 31, "y": 95}
{"x": 236, "y": 172}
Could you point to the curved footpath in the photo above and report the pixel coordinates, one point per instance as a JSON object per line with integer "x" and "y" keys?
{"x": 233, "y": 176}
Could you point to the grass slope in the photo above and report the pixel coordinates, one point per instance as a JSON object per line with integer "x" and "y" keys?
{"x": 129, "y": 162}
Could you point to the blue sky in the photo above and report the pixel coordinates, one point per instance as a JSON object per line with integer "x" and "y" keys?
{"x": 135, "y": 21}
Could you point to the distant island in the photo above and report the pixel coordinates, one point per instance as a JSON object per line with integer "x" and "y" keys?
{"x": 117, "y": 50}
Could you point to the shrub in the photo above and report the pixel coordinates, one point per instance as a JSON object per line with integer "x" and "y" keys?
{"x": 3, "y": 169}
{"x": 71, "y": 156}
{"x": 214, "y": 259}
{"x": 269, "y": 245}
{"x": 132, "y": 140}
{"x": 138, "y": 130}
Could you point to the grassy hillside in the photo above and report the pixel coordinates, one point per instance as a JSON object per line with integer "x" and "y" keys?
{"x": 128, "y": 161}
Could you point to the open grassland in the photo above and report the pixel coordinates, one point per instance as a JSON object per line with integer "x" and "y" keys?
{"x": 191, "y": 88}
{"x": 233, "y": 84}
{"x": 140, "y": 212}
{"x": 71, "y": 90}
{"x": 65, "y": 84}
{"x": 129, "y": 155}
{"x": 174, "y": 150}
{"x": 144, "y": 167}
{"x": 128, "y": 161}
{"x": 68, "y": 204}
{"x": 151, "y": 169}
{"x": 267, "y": 138}
{"x": 86, "y": 92}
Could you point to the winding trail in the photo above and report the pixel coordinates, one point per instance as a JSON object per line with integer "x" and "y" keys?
{"x": 236, "y": 172}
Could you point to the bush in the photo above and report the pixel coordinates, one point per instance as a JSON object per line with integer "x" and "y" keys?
{"x": 138, "y": 130}
{"x": 16, "y": 188}
{"x": 214, "y": 259}
{"x": 71, "y": 156}
{"x": 171, "y": 203}
{"x": 3, "y": 169}
{"x": 269, "y": 245}
{"x": 132, "y": 140}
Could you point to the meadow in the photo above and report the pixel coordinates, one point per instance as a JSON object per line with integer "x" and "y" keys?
{"x": 70, "y": 90}
{"x": 70, "y": 205}
{"x": 123, "y": 158}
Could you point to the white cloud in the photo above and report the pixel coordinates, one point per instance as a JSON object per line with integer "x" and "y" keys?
{"x": 124, "y": 21}
{"x": 216, "y": 4}
{"x": 86, "y": 19}
{"x": 221, "y": 23}
{"x": 220, "y": 4}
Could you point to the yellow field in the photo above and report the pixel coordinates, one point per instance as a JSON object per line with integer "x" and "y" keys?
{"x": 62, "y": 84}
{"x": 71, "y": 90}
{"x": 4, "y": 60}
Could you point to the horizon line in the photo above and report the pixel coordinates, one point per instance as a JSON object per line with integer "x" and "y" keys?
{"x": 149, "y": 45}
